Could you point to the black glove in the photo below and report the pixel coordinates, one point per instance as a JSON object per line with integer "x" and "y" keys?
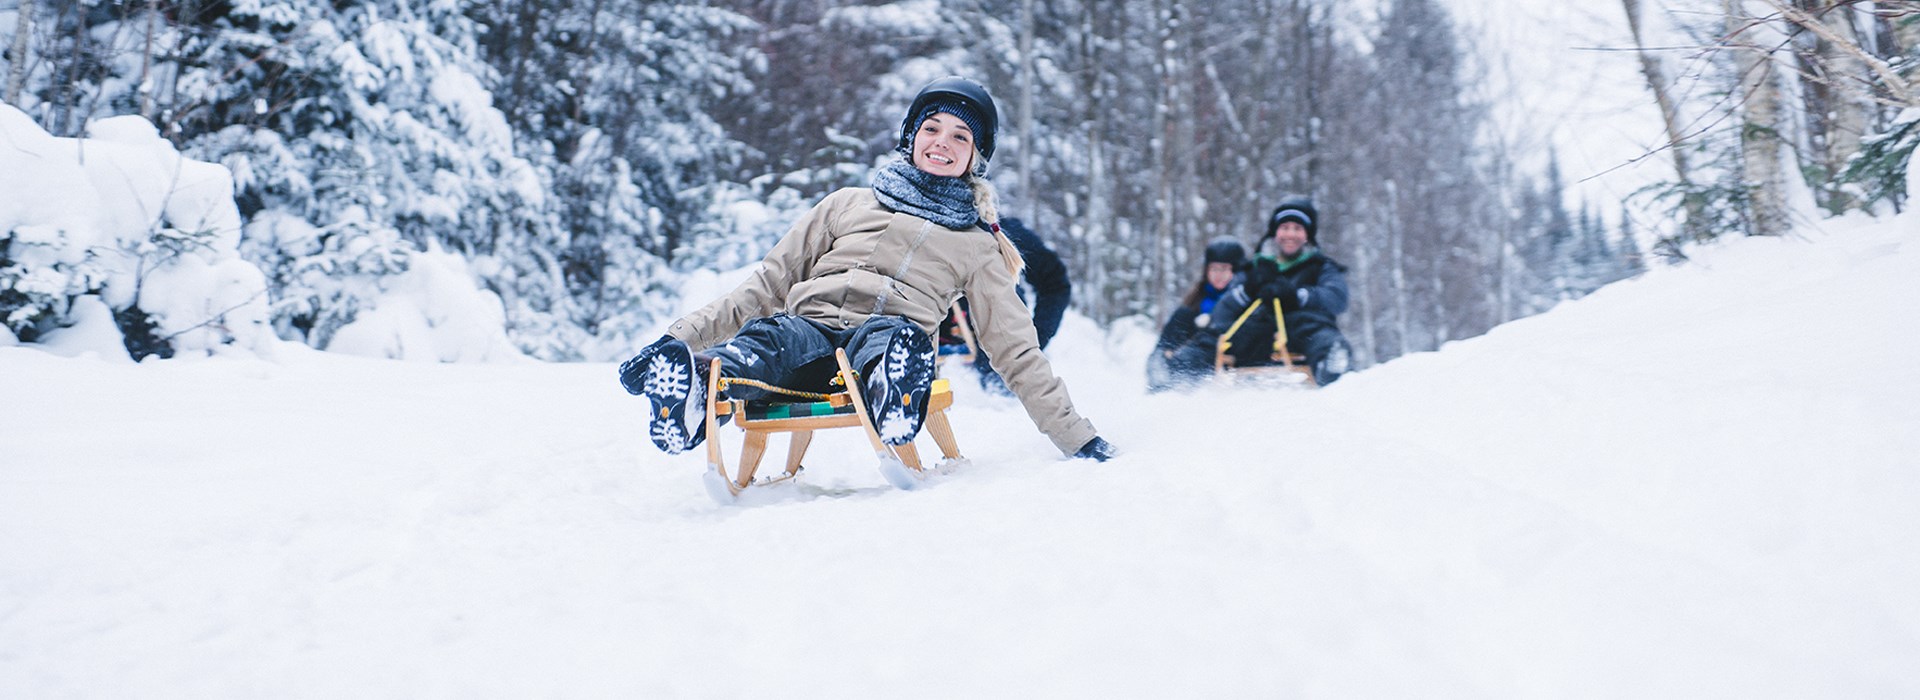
{"x": 1096, "y": 449}
{"x": 632, "y": 371}
{"x": 1283, "y": 290}
{"x": 1265, "y": 282}
{"x": 1292, "y": 300}
{"x": 1260, "y": 272}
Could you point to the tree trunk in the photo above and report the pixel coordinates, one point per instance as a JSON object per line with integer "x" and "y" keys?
{"x": 69, "y": 92}
{"x": 1848, "y": 103}
{"x": 1186, "y": 147}
{"x": 1100, "y": 228}
{"x": 1762, "y": 150}
{"x": 1652, "y": 69}
{"x": 146, "y": 62}
{"x": 1163, "y": 137}
{"x": 1027, "y": 202}
{"x": 1902, "y": 90}
{"x": 1397, "y": 264}
{"x": 17, "y": 57}
{"x": 1368, "y": 346}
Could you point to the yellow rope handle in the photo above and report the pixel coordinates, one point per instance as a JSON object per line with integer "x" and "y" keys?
{"x": 729, "y": 381}
{"x": 1225, "y": 342}
{"x": 1280, "y": 334}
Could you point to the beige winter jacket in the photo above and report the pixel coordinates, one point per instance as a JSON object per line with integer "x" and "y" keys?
{"x": 850, "y": 258}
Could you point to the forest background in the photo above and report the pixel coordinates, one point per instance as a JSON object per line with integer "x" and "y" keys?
{"x": 582, "y": 161}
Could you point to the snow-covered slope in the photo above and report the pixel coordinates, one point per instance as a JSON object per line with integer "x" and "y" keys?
{"x": 1699, "y": 483}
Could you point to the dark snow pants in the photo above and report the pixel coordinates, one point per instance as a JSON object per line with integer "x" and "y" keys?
{"x": 795, "y": 353}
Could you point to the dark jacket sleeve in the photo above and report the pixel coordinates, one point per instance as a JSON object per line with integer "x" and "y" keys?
{"x": 1179, "y": 328}
{"x": 1328, "y": 295}
{"x": 1046, "y": 274}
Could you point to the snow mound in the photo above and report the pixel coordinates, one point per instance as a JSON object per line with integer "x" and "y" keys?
{"x": 123, "y": 218}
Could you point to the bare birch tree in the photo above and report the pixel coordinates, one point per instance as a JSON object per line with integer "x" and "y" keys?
{"x": 17, "y": 56}
{"x": 1837, "y": 89}
{"x": 1657, "y": 81}
{"x": 1762, "y": 150}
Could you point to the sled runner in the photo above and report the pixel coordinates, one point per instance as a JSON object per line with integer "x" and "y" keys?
{"x": 1291, "y": 370}
{"x": 842, "y": 409}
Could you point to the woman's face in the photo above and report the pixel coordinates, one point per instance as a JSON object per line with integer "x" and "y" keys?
{"x": 943, "y": 146}
{"x": 1290, "y": 236}
{"x": 1219, "y": 274}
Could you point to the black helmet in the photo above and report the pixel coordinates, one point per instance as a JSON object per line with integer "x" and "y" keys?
{"x": 1226, "y": 250}
{"x": 1295, "y": 208}
{"x": 970, "y": 102}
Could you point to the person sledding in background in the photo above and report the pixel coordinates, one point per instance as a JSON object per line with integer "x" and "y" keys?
{"x": 1045, "y": 276}
{"x": 1222, "y": 262}
{"x": 1310, "y": 289}
{"x": 873, "y": 271}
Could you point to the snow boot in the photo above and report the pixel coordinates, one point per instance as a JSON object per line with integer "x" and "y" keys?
{"x": 677, "y": 388}
{"x": 1337, "y": 362}
{"x": 899, "y": 386}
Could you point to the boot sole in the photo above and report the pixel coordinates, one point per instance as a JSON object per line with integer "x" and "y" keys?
{"x": 900, "y": 388}
{"x": 667, "y": 383}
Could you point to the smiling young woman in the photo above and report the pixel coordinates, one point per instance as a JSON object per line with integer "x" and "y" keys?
{"x": 944, "y": 146}
{"x": 873, "y": 271}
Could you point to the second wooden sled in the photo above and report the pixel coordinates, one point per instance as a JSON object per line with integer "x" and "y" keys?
{"x": 1292, "y": 368}
{"x": 843, "y": 409}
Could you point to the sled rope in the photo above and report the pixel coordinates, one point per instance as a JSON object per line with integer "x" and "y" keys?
{"x": 1226, "y": 339}
{"x": 1279, "y": 333}
{"x": 755, "y": 383}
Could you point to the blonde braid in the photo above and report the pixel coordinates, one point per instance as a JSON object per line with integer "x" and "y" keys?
{"x": 985, "y": 202}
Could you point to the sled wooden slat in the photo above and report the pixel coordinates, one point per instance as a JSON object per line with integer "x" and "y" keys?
{"x": 834, "y": 403}
{"x": 1293, "y": 363}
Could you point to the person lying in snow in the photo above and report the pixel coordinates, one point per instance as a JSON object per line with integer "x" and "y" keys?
{"x": 1311, "y": 289}
{"x": 873, "y": 270}
{"x": 1221, "y": 266}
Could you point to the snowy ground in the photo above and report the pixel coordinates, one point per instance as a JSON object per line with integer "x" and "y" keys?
{"x": 1701, "y": 483}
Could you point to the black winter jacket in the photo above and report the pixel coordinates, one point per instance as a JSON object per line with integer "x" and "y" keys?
{"x": 1325, "y": 283}
{"x": 1183, "y": 322}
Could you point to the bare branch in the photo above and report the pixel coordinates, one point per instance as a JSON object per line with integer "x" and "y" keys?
{"x": 1897, "y": 85}
{"x": 219, "y": 316}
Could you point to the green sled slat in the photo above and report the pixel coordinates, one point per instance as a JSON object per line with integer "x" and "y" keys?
{"x": 775, "y": 411}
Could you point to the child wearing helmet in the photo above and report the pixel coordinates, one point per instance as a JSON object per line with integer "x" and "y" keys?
{"x": 1222, "y": 262}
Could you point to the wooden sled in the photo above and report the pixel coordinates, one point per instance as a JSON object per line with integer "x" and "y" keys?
{"x": 843, "y": 409}
{"x": 1292, "y": 370}
{"x": 1291, "y": 367}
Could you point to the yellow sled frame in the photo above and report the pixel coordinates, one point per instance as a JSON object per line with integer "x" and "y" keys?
{"x": 802, "y": 427}
{"x": 1290, "y": 362}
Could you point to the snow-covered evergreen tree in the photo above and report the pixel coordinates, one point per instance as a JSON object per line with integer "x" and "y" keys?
{"x": 615, "y": 102}
{"x": 380, "y": 139}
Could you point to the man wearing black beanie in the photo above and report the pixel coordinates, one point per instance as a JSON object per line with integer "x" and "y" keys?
{"x": 1309, "y": 290}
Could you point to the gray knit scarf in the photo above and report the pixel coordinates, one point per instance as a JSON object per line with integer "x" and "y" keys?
{"x": 947, "y": 201}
